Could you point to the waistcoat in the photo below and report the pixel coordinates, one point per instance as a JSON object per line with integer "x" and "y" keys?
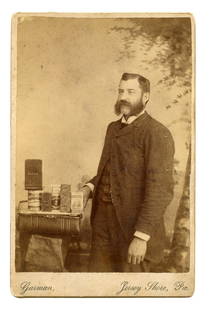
{"x": 104, "y": 193}
{"x": 104, "y": 188}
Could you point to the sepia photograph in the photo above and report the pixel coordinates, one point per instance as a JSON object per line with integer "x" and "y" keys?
{"x": 103, "y": 140}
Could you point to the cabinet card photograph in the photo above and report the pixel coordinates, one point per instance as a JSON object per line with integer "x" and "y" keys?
{"x": 102, "y": 155}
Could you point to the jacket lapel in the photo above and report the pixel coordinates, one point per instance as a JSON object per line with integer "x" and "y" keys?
{"x": 128, "y": 129}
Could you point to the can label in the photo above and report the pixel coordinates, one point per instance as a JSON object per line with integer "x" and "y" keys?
{"x": 65, "y": 198}
{"x": 77, "y": 202}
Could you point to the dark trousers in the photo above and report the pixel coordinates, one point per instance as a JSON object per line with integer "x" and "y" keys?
{"x": 109, "y": 248}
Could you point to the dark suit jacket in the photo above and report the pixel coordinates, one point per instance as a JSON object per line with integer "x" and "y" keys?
{"x": 141, "y": 157}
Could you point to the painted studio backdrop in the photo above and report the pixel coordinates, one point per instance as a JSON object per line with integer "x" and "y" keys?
{"x": 68, "y": 72}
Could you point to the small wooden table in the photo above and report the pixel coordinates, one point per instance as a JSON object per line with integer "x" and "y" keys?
{"x": 54, "y": 224}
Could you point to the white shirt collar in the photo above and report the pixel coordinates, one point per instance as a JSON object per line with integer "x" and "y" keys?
{"x": 131, "y": 118}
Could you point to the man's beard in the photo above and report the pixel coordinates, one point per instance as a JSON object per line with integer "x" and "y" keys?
{"x": 133, "y": 109}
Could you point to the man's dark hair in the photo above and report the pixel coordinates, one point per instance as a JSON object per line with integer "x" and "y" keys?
{"x": 144, "y": 83}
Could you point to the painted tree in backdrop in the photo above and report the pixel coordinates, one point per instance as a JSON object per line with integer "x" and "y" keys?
{"x": 168, "y": 41}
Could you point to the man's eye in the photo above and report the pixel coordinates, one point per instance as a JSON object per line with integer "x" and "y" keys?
{"x": 121, "y": 91}
{"x": 131, "y": 91}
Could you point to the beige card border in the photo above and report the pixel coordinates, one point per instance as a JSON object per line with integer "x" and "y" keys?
{"x": 98, "y": 284}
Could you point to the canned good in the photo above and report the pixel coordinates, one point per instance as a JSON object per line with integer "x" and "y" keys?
{"x": 55, "y": 202}
{"x": 46, "y": 201}
{"x": 77, "y": 202}
{"x": 65, "y": 198}
{"x": 56, "y": 196}
{"x": 34, "y": 197}
{"x": 34, "y": 194}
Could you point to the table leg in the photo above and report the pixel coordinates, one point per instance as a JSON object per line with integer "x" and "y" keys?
{"x": 24, "y": 242}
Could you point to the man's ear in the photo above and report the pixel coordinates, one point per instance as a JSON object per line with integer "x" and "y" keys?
{"x": 146, "y": 97}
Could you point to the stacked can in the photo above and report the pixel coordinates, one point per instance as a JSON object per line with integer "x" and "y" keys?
{"x": 56, "y": 196}
{"x": 65, "y": 198}
{"x": 34, "y": 197}
{"x": 46, "y": 201}
{"x": 76, "y": 203}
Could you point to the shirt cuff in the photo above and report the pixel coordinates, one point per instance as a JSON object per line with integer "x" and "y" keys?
{"x": 90, "y": 185}
{"x": 142, "y": 236}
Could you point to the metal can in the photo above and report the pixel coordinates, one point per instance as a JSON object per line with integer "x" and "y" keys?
{"x": 56, "y": 196}
{"x": 34, "y": 197}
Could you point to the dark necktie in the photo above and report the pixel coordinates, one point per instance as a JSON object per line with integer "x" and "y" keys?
{"x": 123, "y": 125}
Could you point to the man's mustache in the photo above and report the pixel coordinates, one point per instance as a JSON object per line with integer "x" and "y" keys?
{"x": 134, "y": 109}
{"x": 124, "y": 102}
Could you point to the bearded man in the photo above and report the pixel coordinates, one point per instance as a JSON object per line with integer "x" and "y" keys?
{"x": 133, "y": 186}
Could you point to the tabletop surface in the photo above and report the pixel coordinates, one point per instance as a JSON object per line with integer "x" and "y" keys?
{"x": 53, "y": 212}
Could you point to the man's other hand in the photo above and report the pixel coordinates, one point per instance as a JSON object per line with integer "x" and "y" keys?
{"x": 137, "y": 251}
{"x": 86, "y": 193}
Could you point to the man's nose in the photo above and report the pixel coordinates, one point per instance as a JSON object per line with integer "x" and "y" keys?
{"x": 123, "y": 96}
